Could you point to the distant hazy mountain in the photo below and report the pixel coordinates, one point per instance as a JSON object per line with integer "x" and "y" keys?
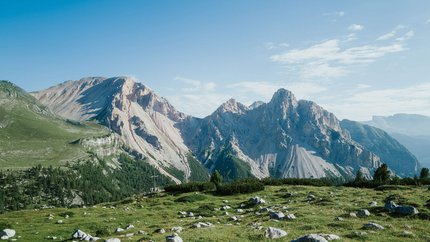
{"x": 411, "y": 130}
{"x": 398, "y": 157}
{"x": 285, "y": 137}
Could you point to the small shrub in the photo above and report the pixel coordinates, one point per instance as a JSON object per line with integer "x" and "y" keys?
{"x": 102, "y": 231}
{"x": 240, "y": 187}
{"x": 190, "y": 187}
{"x": 191, "y": 198}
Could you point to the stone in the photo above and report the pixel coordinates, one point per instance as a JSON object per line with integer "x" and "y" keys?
{"x": 190, "y": 214}
{"x": 311, "y": 197}
{"x": 290, "y": 216}
{"x": 239, "y": 210}
{"x": 119, "y": 230}
{"x": 59, "y": 221}
{"x": 202, "y": 225}
{"x": 79, "y": 234}
{"x": 311, "y": 238}
{"x": 373, "y": 204}
{"x": 363, "y": 213}
{"x": 233, "y": 218}
{"x": 7, "y": 234}
{"x": 177, "y": 229}
{"x": 373, "y": 226}
{"x": 390, "y": 206}
{"x": 275, "y": 233}
{"x": 173, "y": 238}
{"x": 277, "y": 215}
{"x": 160, "y": 231}
{"x": 404, "y": 210}
{"x": 256, "y": 200}
{"x": 130, "y": 226}
{"x": 225, "y": 201}
{"x": 113, "y": 240}
{"x": 353, "y": 215}
{"x": 226, "y": 207}
{"x": 339, "y": 219}
{"x": 407, "y": 234}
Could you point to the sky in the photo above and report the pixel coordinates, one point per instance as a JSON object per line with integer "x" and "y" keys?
{"x": 354, "y": 58}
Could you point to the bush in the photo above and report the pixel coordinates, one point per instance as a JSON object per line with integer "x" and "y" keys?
{"x": 241, "y": 187}
{"x": 301, "y": 181}
{"x": 191, "y": 198}
{"x": 190, "y": 187}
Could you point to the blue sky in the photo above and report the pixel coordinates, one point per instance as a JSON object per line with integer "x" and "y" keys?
{"x": 355, "y": 58}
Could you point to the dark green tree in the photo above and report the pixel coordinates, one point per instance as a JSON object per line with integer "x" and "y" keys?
{"x": 359, "y": 177}
{"x": 216, "y": 178}
{"x": 424, "y": 174}
{"x": 382, "y": 174}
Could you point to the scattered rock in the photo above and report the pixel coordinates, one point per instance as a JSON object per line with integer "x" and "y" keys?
{"x": 190, "y": 214}
{"x": 407, "y": 234}
{"x": 290, "y": 216}
{"x": 256, "y": 200}
{"x": 59, "y": 221}
{"x": 353, "y": 215}
{"x": 277, "y": 215}
{"x": 275, "y": 233}
{"x": 311, "y": 238}
{"x": 239, "y": 210}
{"x": 173, "y": 238}
{"x": 113, "y": 240}
{"x": 373, "y": 226}
{"x": 226, "y": 207}
{"x": 310, "y": 197}
{"x": 177, "y": 229}
{"x": 182, "y": 213}
{"x": 226, "y": 213}
{"x": 234, "y": 218}
{"x": 404, "y": 210}
{"x": 130, "y": 226}
{"x": 363, "y": 213}
{"x": 119, "y": 230}
{"x": 225, "y": 201}
{"x": 373, "y": 204}
{"x": 339, "y": 219}
{"x": 202, "y": 225}
{"x": 6, "y": 234}
{"x": 79, "y": 234}
{"x": 160, "y": 231}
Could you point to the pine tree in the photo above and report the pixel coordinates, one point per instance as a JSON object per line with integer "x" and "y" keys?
{"x": 216, "y": 178}
{"x": 382, "y": 174}
{"x": 424, "y": 174}
{"x": 359, "y": 177}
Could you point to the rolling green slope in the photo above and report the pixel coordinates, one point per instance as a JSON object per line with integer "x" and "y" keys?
{"x": 30, "y": 134}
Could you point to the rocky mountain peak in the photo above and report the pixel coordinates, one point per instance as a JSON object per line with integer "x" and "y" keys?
{"x": 232, "y": 106}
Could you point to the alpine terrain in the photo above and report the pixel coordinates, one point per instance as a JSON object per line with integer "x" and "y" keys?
{"x": 285, "y": 137}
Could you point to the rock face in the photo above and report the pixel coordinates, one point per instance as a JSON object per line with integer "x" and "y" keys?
{"x": 146, "y": 122}
{"x": 285, "y": 137}
{"x": 274, "y": 233}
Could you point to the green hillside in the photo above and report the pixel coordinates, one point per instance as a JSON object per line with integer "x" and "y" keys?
{"x": 30, "y": 134}
{"x": 315, "y": 216}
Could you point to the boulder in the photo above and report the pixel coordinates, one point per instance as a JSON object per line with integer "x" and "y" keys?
{"x": 373, "y": 204}
{"x": 373, "y": 226}
{"x": 256, "y": 200}
{"x": 79, "y": 234}
{"x": 363, "y": 213}
{"x": 390, "y": 206}
{"x": 353, "y": 215}
{"x": 202, "y": 225}
{"x": 160, "y": 231}
{"x": 130, "y": 226}
{"x": 173, "y": 238}
{"x": 275, "y": 233}
{"x": 177, "y": 229}
{"x": 226, "y": 207}
{"x": 113, "y": 240}
{"x": 311, "y": 238}
{"x": 7, "y": 234}
{"x": 277, "y": 215}
{"x": 404, "y": 210}
{"x": 119, "y": 230}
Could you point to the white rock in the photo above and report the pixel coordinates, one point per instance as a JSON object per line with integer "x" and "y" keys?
{"x": 373, "y": 226}
{"x": 174, "y": 238}
{"x": 275, "y": 233}
{"x": 363, "y": 213}
{"x": 113, "y": 240}
{"x": 119, "y": 230}
{"x": 130, "y": 226}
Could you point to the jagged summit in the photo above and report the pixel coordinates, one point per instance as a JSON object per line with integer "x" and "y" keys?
{"x": 232, "y": 106}
{"x": 255, "y": 104}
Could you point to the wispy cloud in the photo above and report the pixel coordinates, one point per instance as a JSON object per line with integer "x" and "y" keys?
{"x": 272, "y": 46}
{"x": 335, "y": 13}
{"x": 364, "y": 103}
{"x": 355, "y": 27}
{"x": 391, "y": 34}
{"x": 330, "y": 59}
{"x": 197, "y": 97}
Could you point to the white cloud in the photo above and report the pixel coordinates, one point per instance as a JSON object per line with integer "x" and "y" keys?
{"x": 363, "y": 86}
{"x": 330, "y": 59}
{"x": 406, "y": 36}
{"x": 391, "y": 34}
{"x": 271, "y": 45}
{"x": 355, "y": 27}
{"x": 336, "y": 14}
{"x": 365, "y": 103}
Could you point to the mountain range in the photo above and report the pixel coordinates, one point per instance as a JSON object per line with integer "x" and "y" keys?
{"x": 284, "y": 137}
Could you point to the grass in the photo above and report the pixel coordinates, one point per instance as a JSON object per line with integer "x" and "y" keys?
{"x": 317, "y": 216}
{"x": 31, "y": 135}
